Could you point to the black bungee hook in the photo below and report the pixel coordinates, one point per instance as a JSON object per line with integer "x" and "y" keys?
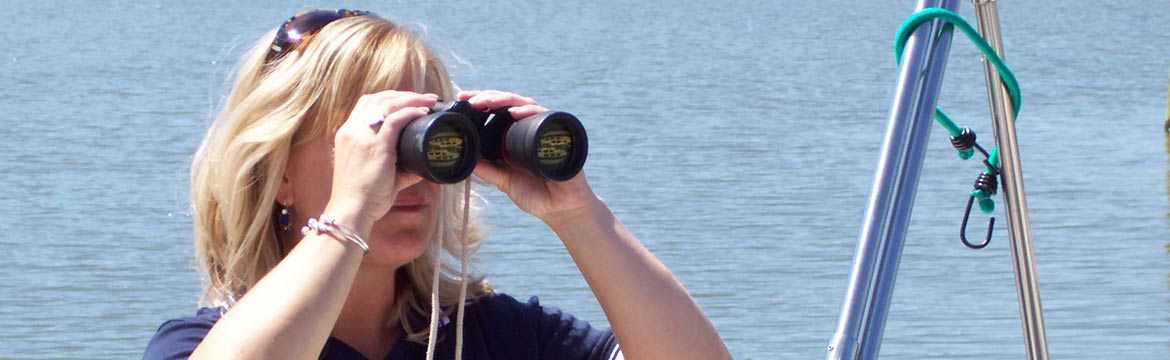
{"x": 985, "y": 185}
{"x": 963, "y": 227}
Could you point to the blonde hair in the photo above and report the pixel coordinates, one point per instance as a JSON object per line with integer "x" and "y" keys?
{"x": 273, "y": 107}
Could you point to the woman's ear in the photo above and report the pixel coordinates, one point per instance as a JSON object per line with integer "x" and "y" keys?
{"x": 284, "y": 193}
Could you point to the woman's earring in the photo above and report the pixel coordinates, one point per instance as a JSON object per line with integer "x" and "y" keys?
{"x": 285, "y": 219}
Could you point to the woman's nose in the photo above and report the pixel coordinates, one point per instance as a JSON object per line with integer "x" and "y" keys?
{"x": 405, "y": 179}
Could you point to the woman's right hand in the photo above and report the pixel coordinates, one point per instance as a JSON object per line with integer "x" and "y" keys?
{"x": 365, "y": 153}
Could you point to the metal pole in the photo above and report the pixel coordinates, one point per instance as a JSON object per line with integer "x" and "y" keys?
{"x": 908, "y": 186}
{"x": 887, "y": 178}
{"x": 1015, "y": 206}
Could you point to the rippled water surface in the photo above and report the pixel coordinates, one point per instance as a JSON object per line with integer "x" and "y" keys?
{"x": 737, "y": 139}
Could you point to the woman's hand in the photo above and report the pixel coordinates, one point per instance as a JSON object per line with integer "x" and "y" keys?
{"x": 652, "y": 315}
{"x": 551, "y": 201}
{"x": 365, "y": 153}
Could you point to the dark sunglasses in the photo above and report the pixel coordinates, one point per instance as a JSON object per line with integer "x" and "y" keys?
{"x": 297, "y": 30}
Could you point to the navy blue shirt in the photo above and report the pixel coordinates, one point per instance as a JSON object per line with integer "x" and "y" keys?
{"x": 495, "y": 327}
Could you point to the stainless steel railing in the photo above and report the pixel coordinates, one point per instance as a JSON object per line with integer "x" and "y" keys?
{"x": 879, "y": 245}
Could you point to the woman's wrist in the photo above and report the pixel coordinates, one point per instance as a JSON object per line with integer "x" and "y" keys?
{"x": 591, "y": 210}
{"x": 349, "y": 216}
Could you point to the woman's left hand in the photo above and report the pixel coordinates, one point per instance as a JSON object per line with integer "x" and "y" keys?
{"x": 551, "y": 201}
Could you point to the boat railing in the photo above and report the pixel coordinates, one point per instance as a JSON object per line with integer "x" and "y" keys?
{"x": 927, "y": 39}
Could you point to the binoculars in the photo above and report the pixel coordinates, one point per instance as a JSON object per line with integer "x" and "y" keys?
{"x": 444, "y": 146}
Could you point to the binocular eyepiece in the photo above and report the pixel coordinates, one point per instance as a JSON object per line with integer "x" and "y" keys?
{"x": 444, "y": 146}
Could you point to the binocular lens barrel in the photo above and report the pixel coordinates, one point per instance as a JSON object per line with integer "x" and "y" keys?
{"x": 440, "y": 147}
{"x": 550, "y": 145}
{"x": 443, "y": 147}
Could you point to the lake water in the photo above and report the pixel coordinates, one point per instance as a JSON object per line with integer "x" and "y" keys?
{"x": 737, "y": 140}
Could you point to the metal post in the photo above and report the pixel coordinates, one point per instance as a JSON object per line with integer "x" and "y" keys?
{"x": 1015, "y": 206}
{"x": 892, "y": 193}
{"x": 911, "y": 172}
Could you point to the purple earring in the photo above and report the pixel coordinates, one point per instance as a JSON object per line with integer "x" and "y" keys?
{"x": 285, "y": 219}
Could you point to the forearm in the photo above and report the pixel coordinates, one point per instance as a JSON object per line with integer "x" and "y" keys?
{"x": 652, "y": 315}
{"x": 291, "y": 311}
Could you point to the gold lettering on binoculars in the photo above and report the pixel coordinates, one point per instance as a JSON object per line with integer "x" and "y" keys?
{"x": 444, "y": 149}
{"x": 554, "y": 147}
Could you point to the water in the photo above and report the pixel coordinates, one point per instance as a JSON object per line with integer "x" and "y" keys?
{"x": 736, "y": 139}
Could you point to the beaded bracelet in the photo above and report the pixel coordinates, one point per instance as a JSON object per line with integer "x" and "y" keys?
{"x": 330, "y": 225}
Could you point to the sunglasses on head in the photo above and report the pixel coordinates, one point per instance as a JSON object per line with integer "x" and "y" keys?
{"x": 298, "y": 29}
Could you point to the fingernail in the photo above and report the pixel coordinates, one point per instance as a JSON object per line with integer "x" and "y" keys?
{"x": 432, "y": 96}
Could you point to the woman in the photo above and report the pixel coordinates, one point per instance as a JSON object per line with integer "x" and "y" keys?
{"x": 308, "y": 134}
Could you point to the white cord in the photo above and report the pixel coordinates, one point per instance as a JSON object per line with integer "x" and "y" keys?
{"x": 434, "y": 328}
{"x": 463, "y": 270}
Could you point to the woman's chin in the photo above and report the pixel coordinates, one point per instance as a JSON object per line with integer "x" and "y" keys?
{"x": 402, "y": 235}
{"x": 398, "y": 248}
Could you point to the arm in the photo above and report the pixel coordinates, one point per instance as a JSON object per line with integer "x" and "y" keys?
{"x": 652, "y": 315}
{"x": 292, "y": 310}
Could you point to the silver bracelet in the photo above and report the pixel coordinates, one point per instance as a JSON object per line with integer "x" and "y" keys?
{"x": 330, "y": 225}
